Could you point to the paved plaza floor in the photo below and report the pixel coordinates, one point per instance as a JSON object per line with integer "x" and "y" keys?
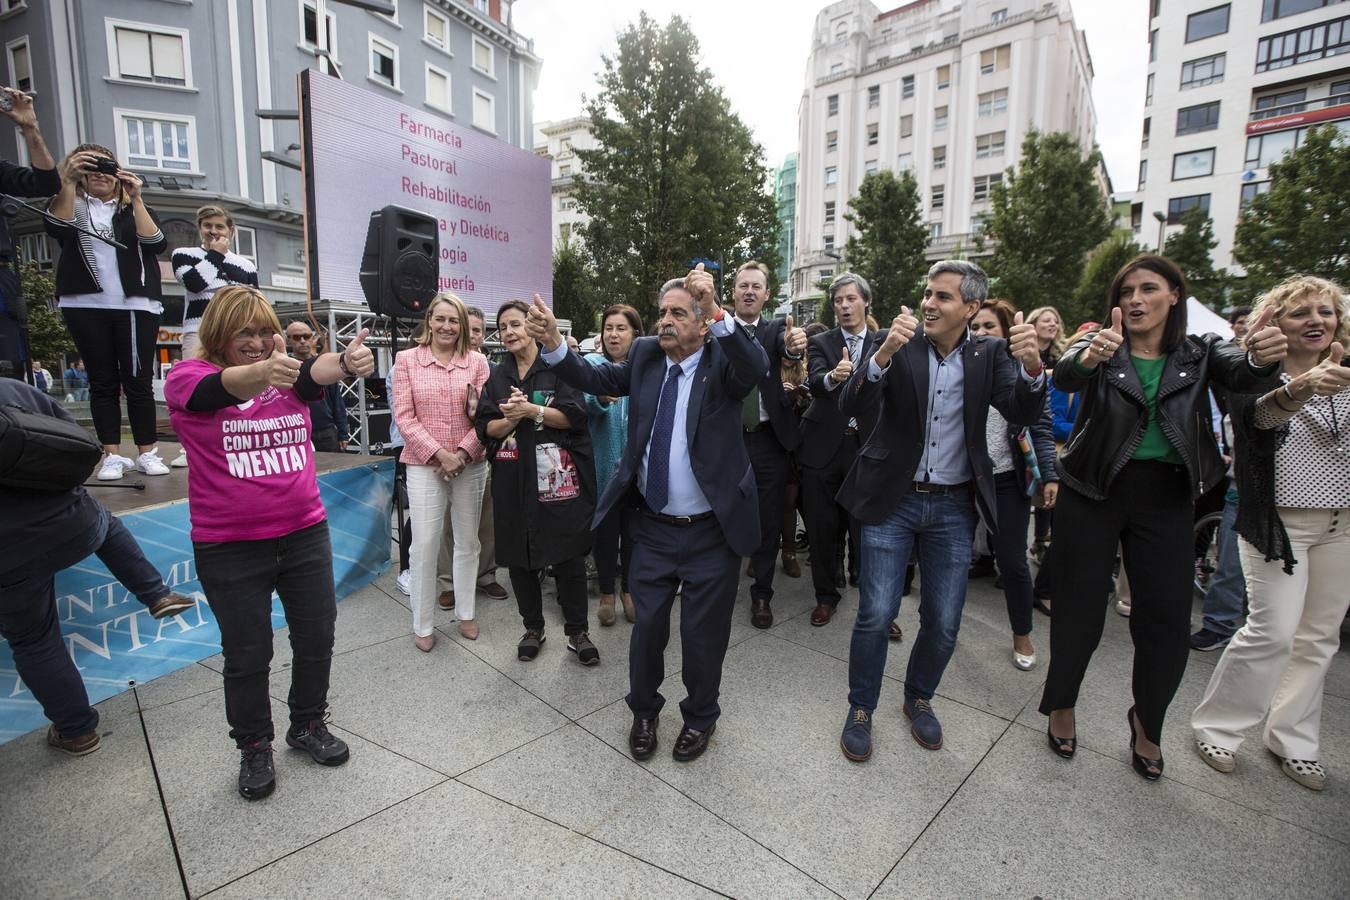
{"x": 476, "y": 775}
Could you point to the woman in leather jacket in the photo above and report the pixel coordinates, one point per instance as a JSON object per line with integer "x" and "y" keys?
{"x": 1141, "y": 452}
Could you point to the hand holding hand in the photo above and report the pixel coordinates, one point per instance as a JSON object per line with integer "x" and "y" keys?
{"x": 794, "y": 339}
{"x": 279, "y": 370}
{"x": 450, "y": 462}
{"x": 360, "y": 360}
{"x": 1103, "y": 345}
{"x": 898, "y": 335}
{"x": 1022, "y": 345}
{"x": 541, "y": 325}
{"x": 516, "y": 406}
{"x": 700, "y": 286}
{"x": 1265, "y": 342}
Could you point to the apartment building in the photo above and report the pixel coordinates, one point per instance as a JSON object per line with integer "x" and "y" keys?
{"x": 560, "y": 142}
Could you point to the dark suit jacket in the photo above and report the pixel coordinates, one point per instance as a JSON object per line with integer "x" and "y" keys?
{"x": 770, "y": 333}
{"x": 883, "y": 472}
{"x": 823, "y": 422}
{"x": 729, "y": 368}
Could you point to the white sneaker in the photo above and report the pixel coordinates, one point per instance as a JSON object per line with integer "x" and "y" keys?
{"x": 404, "y": 582}
{"x": 114, "y": 467}
{"x": 180, "y": 461}
{"x": 149, "y": 463}
{"x": 1025, "y": 662}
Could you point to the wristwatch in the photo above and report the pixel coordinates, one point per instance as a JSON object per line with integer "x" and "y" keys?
{"x": 539, "y": 417}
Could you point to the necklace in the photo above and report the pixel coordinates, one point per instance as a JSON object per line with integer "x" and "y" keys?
{"x": 1331, "y": 422}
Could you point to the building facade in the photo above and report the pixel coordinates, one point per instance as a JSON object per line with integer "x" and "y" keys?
{"x": 560, "y": 142}
{"x": 175, "y": 90}
{"x": 785, "y": 196}
{"x": 1231, "y": 88}
{"x": 946, "y": 89}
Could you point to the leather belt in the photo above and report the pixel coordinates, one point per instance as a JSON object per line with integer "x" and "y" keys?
{"x": 927, "y": 487}
{"x": 848, "y": 429}
{"x": 676, "y": 520}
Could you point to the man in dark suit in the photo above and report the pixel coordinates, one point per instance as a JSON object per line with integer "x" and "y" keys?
{"x": 771, "y": 431}
{"x": 830, "y": 439}
{"x": 924, "y": 475}
{"x": 686, "y": 470}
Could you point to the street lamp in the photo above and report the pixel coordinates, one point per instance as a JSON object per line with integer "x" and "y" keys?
{"x": 1162, "y": 228}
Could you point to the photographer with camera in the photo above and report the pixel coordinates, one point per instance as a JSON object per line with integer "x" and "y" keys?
{"x": 110, "y": 298}
{"x": 41, "y": 180}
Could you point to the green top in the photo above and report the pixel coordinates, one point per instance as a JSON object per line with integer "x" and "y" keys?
{"x": 1155, "y": 444}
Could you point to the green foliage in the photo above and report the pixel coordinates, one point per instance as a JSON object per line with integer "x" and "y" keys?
{"x": 1191, "y": 250}
{"x": 887, "y": 247}
{"x": 1047, "y": 214}
{"x": 1106, "y": 259}
{"x": 575, "y": 294}
{"x": 676, "y": 174}
{"x": 48, "y": 339}
{"x": 1302, "y": 224}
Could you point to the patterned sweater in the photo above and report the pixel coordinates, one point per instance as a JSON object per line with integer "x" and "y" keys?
{"x": 202, "y": 272}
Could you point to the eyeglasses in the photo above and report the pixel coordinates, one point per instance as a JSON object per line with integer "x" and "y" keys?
{"x": 302, "y": 337}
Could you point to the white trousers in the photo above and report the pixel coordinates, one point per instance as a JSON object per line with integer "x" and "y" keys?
{"x": 1276, "y": 664}
{"x": 429, "y": 497}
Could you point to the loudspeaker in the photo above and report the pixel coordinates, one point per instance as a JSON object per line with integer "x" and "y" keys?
{"x": 400, "y": 266}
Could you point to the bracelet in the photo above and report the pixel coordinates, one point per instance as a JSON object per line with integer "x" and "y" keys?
{"x": 1290, "y": 394}
{"x": 342, "y": 363}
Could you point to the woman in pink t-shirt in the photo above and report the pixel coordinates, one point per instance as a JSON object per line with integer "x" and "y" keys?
{"x": 240, "y": 409}
{"x": 436, "y": 389}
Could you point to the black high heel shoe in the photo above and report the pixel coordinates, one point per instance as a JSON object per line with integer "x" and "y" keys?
{"x": 1065, "y": 747}
{"x": 1148, "y": 769}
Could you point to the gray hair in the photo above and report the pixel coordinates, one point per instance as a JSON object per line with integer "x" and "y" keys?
{"x": 474, "y": 312}
{"x": 676, "y": 284}
{"x": 844, "y": 279}
{"x": 974, "y": 283}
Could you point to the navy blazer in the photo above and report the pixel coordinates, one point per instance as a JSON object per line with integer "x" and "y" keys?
{"x": 883, "y": 472}
{"x": 729, "y": 368}
{"x": 770, "y": 333}
{"x": 823, "y": 422}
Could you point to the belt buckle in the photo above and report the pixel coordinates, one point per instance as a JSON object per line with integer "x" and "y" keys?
{"x": 925, "y": 487}
{"x": 682, "y": 520}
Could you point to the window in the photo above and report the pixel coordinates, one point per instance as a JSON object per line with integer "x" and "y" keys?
{"x": 836, "y": 68}
{"x": 148, "y": 54}
{"x": 1148, "y": 90}
{"x": 565, "y": 171}
{"x": 309, "y": 24}
{"x": 155, "y": 141}
{"x": 1153, "y": 45}
{"x": 831, "y": 175}
{"x": 482, "y": 56}
{"x": 939, "y": 157}
{"x": 998, "y": 15}
{"x": 826, "y": 274}
{"x": 991, "y": 144}
{"x": 1338, "y": 92}
{"x": 1193, "y": 164}
{"x": 1279, "y": 104}
{"x": 832, "y": 105}
{"x": 995, "y": 59}
{"x": 978, "y": 223}
{"x": 1136, "y": 216}
{"x": 565, "y": 232}
{"x": 829, "y": 211}
{"x": 872, "y": 134}
{"x": 874, "y": 96}
{"x": 1278, "y": 9}
{"x": 1143, "y": 172}
{"x": 1204, "y": 117}
{"x": 1202, "y": 71}
{"x": 438, "y": 88}
{"x": 383, "y": 62}
{"x": 20, "y": 65}
{"x": 1303, "y": 45}
{"x": 1143, "y": 142}
{"x": 939, "y": 197}
{"x": 1179, "y": 206}
{"x": 904, "y": 162}
{"x": 828, "y": 240}
{"x": 484, "y": 111}
{"x": 246, "y": 243}
{"x": 944, "y": 77}
{"x": 1251, "y": 191}
{"x": 993, "y": 102}
{"x": 1264, "y": 149}
{"x": 1207, "y": 23}
{"x": 906, "y": 87}
{"x": 984, "y": 185}
{"x": 906, "y": 126}
{"x": 840, "y": 31}
{"x": 869, "y": 167}
{"x": 934, "y": 230}
{"x": 940, "y": 118}
{"x": 35, "y": 249}
{"x": 435, "y": 28}
{"x": 831, "y": 141}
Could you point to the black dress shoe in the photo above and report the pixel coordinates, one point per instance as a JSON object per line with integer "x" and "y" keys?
{"x": 894, "y": 633}
{"x": 760, "y": 614}
{"x": 1065, "y": 747}
{"x": 691, "y": 744}
{"x": 642, "y": 737}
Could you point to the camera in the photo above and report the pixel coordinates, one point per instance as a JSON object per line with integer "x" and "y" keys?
{"x": 6, "y": 101}
{"x": 105, "y": 165}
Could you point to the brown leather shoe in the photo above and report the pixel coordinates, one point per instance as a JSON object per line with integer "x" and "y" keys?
{"x": 170, "y": 605}
{"x": 791, "y": 568}
{"x": 822, "y": 614}
{"x": 760, "y": 614}
{"x": 80, "y": 745}
{"x": 446, "y": 600}
{"x": 691, "y": 744}
{"x": 894, "y": 633}
{"x": 642, "y": 737}
{"x": 493, "y": 590}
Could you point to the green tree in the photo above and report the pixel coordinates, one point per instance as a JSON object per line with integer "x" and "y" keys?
{"x": 1106, "y": 259}
{"x": 889, "y": 239}
{"x": 1048, "y": 212}
{"x": 48, "y": 339}
{"x": 1302, "y": 224}
{"x": 575, "y": 295}
{"x": 1191, "y": 250}
{"x": 676, "y": 174}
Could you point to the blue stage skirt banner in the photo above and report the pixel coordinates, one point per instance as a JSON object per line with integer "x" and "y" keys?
{"x": 116, "y": 644}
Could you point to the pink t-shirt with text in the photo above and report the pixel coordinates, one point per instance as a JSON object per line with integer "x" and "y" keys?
{"x": 252, "y": 465}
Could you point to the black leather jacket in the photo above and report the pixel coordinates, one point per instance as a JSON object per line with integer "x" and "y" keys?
{"x": 1113, "y": 415}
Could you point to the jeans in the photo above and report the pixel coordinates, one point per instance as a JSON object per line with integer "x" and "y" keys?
{"x": 943, "y": 526}
{"x": 1010, "y": 547}
{"x": 569, "y": 577}
{"x": 124, "y": 559}
{"x": 239, "y": 578}
{"x": 1227, "y": 588}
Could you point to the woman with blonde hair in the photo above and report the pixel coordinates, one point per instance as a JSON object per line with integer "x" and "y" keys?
{"x": 1049, "y": 333}
{"x": 1293, "y": 471}
{"x": 258, "y": 526}
{"x": 437, "y": 384}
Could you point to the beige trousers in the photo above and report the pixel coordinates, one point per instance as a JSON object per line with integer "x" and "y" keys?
{"x": 487, "y": 542}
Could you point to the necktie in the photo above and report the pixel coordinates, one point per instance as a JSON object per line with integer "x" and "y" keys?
{"x": 854, "y": 351}
{"x": 658, "y": 457}
{"x": 750, "y": 409}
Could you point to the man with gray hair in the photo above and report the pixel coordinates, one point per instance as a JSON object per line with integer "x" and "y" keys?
{"x": 923, "y": 476}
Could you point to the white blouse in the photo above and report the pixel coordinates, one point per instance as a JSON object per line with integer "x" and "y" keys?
{"x": 1312, "y": 464}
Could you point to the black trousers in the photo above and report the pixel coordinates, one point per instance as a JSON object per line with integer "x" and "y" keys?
{"x": 613, "y": 550}
{"x": 695, "y": 560}
{"x": 569, "y": 577}
{"x": 772, "y": 470}
{"x": 326, "y": 440}
{"x": 1010, "y": 548}
{"x": 825, "y": 517}
{"x": 1149, "y": 512}
{"x": 118, "y": 349}
{"x": 239, "y": 578}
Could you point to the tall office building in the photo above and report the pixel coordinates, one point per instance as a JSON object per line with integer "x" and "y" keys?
{"x": 944, "y": 88}
{"x": 562, "y": 140}
{"x": 785, "y": 196}
{"x": 1231, "y": 88}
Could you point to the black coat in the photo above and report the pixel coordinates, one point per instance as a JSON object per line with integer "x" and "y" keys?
{"x": 530, "y": 532}
{"x": 782, "y": 418}
{"x": 137, "y": 265}
{"x": 823, "y": 422}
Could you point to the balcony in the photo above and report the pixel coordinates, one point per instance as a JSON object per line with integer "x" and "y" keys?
{"x": 1291, "y": 108}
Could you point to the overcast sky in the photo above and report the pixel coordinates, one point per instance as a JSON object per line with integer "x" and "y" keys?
{"x": 757, "y": 50}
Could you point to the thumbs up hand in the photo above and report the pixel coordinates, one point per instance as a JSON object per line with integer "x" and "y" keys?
{"x": 279, "y": 370}
{"x": 1329, "y": 377}
{"x": 794, "y": 339}
{"x": 1104, "y": 343}
{"x": 1266, "y": 343}
{"x": 1022, "y": 345}
{"x": 898, "y": 335}
{"x": 701, "y": 287}
{"x": 360, "y": 361}
{"x": 541, "y": 325}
